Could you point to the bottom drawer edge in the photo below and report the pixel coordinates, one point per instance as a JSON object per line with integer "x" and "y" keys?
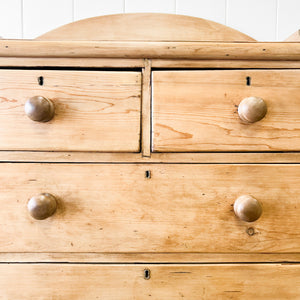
{"x": 149, "y": 281}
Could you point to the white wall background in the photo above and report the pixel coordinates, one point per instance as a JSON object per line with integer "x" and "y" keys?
{"x": 264, "y": 20}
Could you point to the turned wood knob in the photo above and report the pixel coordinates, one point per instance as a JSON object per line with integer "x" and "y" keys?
{"x": 247, "y": 208}
{"x": 252, "y": 109}
{"x": 39, "y": 108}
{"x": 42, "y": 206}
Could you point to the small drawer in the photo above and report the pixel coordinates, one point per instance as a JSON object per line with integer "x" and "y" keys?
{"x": 127, "y": 282}
{"x": 123, "y": 208}
{"x": 222, "y": 110}
{"x": 70, "y": 110}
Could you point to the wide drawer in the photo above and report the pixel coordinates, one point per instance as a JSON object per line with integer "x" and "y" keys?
{"x": 93, "y": 281}
{"x": 94, "y": 110}
{"x": 198, "y": 110}
{"x": 180, "y": 208}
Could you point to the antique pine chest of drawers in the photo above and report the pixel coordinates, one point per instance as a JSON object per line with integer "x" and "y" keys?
{"x": 149, "y": 156}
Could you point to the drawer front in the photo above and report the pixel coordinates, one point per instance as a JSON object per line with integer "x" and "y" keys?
{"x": 181, "y": 208}
{"x": 94, "y": 111}
{"x": 73, "y": 281}
{"x": 198, "y": 110}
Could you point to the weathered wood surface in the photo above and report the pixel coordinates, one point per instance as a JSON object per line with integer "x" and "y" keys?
{"x": 193, "y": 282}
{"x": 157, "y": 158}
{"x": 148, "y": 257}
{"x": 146, "y": 27}
{"x": 273, "y": 51}
{"x": 197, "y": 110}
{"x": 213, "y": 64}
{"x": 94, "y": 111}
{"x": 181, "y": 208}
{"x": 146, "y": 110}
{"x": 140, "y": 63}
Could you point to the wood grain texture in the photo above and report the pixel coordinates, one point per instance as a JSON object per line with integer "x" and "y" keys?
{"x": 197, "y": 110}
{"x": 181, "y": 208}
{"x": 221, "y": 64}
{"x": 147, "y": 27}
{"x": 193, "y": 282}
{"x": 79, "y": 62}
{"x": 94, "y": 111}
{"x": 156, "y": 158}
{"x": 147, "y": 257}
{"x": 146, "y": 109}
{"x": 140, "y": 63}
{"x": 273, "y": 51}
{"x": 108, "y": 210}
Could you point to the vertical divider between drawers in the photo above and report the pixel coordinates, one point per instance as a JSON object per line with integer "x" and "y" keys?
{"x": 146, "y": 110}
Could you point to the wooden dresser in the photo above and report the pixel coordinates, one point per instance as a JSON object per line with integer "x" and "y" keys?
{"x": 149, "y": 156}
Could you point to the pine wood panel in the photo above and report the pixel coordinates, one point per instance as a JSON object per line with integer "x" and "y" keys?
{"x": 181, "y": 208}
{"x": 215, "y": 64}
{"x": 140, "y": 62}
{"x": 79, "y": 62}
{"x": 273, "y": 51}
{"x": 146, "y": 110}
{"x": 72, "y": 281}
{"x": 94, "y": 111}
{"x": 156, "y": 158}
{"x": 146, "y": 27}
{"x": 147, "y": 257}
{"x": 197, "y": 110}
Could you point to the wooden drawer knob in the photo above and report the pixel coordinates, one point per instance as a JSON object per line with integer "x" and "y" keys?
{"x": 252, "y": 109}
{"x": 39, "y": 108}
{"x": 42, "y": 206}
{"x": 247, "y": 208}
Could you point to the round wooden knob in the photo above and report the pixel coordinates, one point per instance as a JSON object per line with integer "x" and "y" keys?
{"x": 247, "y": 208}
{"x": 42, "y": 206}
{"x": 252, "y": 109}
{"x": 39, "y": 108}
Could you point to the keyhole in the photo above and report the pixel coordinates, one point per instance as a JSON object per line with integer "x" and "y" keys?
{"x": 147, "y": 274}
{"x": 41, "y": 80}
{"x": 148, "y": 174}
{"x": 248, "y": 80}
